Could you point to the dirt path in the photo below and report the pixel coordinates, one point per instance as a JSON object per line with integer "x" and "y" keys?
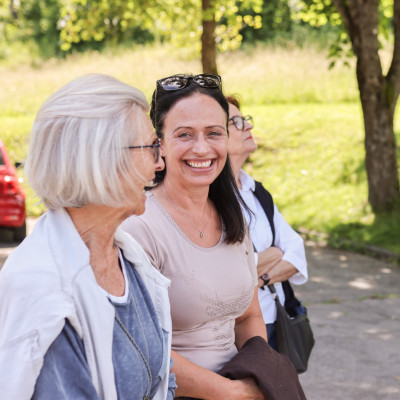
{"x": 354, "y": 308}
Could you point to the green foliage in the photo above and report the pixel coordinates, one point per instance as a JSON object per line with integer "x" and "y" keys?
{"x": 319, "y": 13}
{"x": 58, "y": 27}
{"x": 323, "y": 12}
{"x": 100, "y": 21}
{"x": 7, "y": 18}
{"x": 175, "y": 21}
{"x": 39, "y": 19}
{"x": 308, "y": 124}
{"x": 386, "y": 19}
{"x": 31, "y": 21}
{"x": 275, "y": 17}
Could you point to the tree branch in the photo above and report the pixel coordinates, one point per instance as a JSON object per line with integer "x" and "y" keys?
{"x": 344, "y": 11}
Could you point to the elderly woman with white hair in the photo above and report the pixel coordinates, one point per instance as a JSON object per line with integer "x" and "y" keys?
{"x": 83, "y": 314}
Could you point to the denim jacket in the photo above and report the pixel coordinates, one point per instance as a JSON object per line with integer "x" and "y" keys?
{"x": 48, "y": 279}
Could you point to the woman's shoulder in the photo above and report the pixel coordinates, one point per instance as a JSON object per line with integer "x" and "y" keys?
{"x": 153, "y": 216}
{"x": 33, "y": 257}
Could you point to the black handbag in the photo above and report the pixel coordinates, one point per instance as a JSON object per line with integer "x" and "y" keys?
{"x": 294, "y": 335}
{"x": 293, "y": 331}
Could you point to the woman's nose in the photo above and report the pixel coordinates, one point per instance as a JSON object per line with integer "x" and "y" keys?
{"x": 201, "y": 145}
{"x": 249, "y": 126}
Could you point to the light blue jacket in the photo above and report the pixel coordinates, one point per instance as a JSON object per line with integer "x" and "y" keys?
{"x": 47, "y": 279}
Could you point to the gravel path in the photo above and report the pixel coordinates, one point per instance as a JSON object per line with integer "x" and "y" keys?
{"x": 354, "y": 307}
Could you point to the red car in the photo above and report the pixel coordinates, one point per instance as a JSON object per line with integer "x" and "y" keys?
{"x": 12, "y": 197}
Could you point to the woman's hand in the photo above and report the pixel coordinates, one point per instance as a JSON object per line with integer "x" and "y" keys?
{"x": 245, "y": 389}
{"x": 270, "y": 261}
{"x": 200, "y": 383}
{"x": 267, "y": 260}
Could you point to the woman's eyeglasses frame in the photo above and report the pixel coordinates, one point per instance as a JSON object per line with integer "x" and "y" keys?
{"x": 239, "y": 121}
{"x": 155, "y": 148}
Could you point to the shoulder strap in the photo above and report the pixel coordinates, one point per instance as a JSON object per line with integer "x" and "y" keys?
{"x": 267, "y": 203}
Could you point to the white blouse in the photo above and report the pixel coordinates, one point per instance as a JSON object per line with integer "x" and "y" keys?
{"x": 288, "y": 240}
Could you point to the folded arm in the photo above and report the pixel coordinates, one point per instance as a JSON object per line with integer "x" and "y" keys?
{"x": 201, "y": 383}
{"x": 270, "y": 261}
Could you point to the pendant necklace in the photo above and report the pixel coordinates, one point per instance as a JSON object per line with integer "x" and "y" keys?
{"x": 201, "y": 232}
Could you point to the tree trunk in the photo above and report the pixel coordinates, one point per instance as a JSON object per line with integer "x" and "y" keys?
{"x": 208, "y": 46}
{"x": 380, "y": 144}
{"x": 378, "y": 99}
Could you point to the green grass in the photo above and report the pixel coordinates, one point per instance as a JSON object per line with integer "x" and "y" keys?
{"x": 311, "y": 157}
{"x": 308, "y": 123}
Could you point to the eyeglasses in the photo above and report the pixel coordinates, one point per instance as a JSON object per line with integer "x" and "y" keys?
{"x": 155, "y": 148}
{"x": 177, "y": 82}
{"x": 238, "y": 121}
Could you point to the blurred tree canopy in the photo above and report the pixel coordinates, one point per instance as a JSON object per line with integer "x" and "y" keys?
{"x": 61, "y": 26}
{"x": 363, "y": 28}
{"x": 203, "y": 27}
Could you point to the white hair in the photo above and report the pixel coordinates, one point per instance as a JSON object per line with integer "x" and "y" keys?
{"x": 76, "y": 155}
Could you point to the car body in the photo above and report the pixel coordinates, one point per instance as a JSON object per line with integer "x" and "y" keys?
{"x": 12, "y": 197}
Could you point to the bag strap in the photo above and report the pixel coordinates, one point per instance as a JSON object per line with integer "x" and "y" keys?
{"x": 272, "y": 289}
{"x": 267, "y": 203}
{"x": 273, "y": 292}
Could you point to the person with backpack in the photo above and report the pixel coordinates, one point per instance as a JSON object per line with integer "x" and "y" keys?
{"x": 279, "y": 250}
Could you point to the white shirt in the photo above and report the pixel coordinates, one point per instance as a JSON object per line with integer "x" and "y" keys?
{"x": 47, "y": 279}
{"x": 286, "y": 239}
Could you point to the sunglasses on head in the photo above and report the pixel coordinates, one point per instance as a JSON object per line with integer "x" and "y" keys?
{"x": 177, "y": 82}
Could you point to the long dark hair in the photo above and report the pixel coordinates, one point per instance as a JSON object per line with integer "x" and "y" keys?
{"x": 223, "y": 192}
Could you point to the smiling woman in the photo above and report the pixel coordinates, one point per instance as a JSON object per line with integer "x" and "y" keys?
{"x": 194, "y": 233}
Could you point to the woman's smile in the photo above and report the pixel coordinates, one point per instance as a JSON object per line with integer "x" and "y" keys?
{"x": 199, "y": 164}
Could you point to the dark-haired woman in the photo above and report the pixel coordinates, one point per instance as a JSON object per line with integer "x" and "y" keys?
{"x": 194, "y": 233}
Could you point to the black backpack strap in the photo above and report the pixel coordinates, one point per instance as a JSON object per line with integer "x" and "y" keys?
{"x": 267, "y": 203}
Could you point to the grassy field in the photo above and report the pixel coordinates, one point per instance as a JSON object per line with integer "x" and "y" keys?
{"x": 308, "y": 123}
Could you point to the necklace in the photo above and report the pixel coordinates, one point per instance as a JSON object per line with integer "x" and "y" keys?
{"x": 201, "y": 232}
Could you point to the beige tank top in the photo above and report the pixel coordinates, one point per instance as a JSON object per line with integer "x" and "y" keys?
{"x": 210, "y": 287}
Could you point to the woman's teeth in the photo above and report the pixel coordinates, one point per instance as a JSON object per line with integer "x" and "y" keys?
{"x": 204, "y": 164}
